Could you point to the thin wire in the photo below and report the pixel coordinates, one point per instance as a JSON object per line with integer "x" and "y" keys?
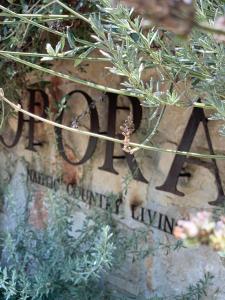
{"x": 17, "y": 107}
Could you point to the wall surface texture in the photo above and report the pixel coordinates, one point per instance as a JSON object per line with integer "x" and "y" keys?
{"x": 31, "y": 166}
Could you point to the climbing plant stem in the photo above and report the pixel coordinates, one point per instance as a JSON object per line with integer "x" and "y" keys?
{"x": 18, "y": 108}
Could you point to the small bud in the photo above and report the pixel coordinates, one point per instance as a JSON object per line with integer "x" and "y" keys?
{"x": 127, "y": 129}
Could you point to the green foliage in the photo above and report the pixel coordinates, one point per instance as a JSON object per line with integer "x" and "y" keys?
{"x": 197, "y": 291}
{"x": 194, "y": 292}
{"x": 50, "y": 263}
{"x": 131, "y": 51}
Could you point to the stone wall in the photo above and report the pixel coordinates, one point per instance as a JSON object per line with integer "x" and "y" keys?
{"x": 143, "y": 206}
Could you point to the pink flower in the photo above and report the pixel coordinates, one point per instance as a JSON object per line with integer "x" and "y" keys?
{"x": 189, "y": 228}
{"x": 202, "y": 230}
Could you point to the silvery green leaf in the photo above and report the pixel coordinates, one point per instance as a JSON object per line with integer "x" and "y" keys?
{"x": 153, "y": 38}
{"x": 58, "y": 47}
{"x": 216, "y": 116}
{"x": 105, "y": 54}
{"x": 86, "y": 53}
{"x": 50, "y": 50}
{"x": 70, "y": 38}
{"x": 47, "y": 58}
{"x": 77, "y": 62}
{"x": 96, "y": 38}
{"x": 135, "y": 37}
{"x": 63, "y": 40}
